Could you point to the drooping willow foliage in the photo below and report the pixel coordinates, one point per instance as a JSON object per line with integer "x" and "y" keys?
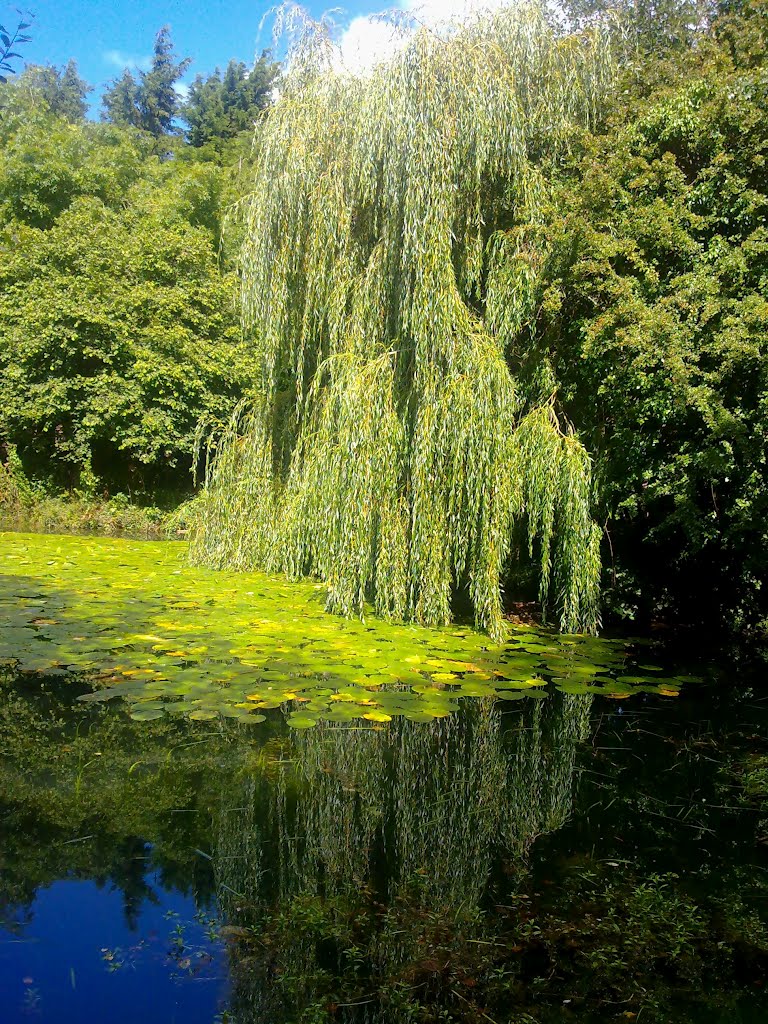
{"x": 390, "y": 260}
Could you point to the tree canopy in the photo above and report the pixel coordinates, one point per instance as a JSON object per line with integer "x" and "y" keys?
{"x": 119, "y": 328}
{"x": 62, "y": 89}
{"x": 222, "y": 106}
{"x": 391, "y": 450}
{"x": 151, "y": 103}
{"x": 653, "y": 314}
{"x": 506, "y": 287}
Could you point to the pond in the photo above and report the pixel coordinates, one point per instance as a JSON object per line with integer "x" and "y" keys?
{"x": 596, "y": 853}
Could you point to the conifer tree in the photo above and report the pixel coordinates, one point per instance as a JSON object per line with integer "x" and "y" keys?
{"x": 151, "y": 103}
{"x": 121, "y": 102}
{"x": 158, "y": 99}
{"x": 64, "y": 91}
{"x": 221, "y": 106}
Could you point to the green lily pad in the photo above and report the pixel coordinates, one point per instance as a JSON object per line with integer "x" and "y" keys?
{"x": 140, "y": 623}
{"x": 146, "y": 714}
{"x": 569, "y": 686}
{"x": 299, "y": 721}
{"x": 476, "y": 690}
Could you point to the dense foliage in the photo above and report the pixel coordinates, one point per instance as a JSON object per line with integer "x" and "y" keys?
{"x": 510, "y": 286}
{"x": 221, "y": 107}
{"x": 119, "y": 329}
{"x": 653, "y": 312}
{"x": 389, "y": 450}
{"x": 62, "y": 90}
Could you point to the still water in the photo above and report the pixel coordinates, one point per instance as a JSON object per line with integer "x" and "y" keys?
{"x": 573, "y": 858}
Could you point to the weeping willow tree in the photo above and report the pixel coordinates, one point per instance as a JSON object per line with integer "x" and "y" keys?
{"x": 389, "y": 264}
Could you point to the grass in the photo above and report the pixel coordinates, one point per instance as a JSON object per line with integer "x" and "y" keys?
{"x": 30, "y": 506}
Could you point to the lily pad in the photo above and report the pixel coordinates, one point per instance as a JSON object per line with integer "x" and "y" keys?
{"x": 140, "y": 623}
{"x": 299, "y": 721}
{"x": 146, "y": 714}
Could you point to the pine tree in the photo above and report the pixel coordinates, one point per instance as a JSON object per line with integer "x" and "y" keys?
{"x": 73, "y": 90}
{"x": 152, "y": 103}
{"x": 158, "y": 99}
{"x": 220, "y": 107}
{"x": 121, "y": 102}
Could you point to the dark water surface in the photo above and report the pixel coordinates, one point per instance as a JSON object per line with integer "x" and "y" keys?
{"x": 574, "y": 858}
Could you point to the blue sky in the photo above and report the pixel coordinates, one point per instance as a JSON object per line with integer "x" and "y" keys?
{"x": 103, "y": 37}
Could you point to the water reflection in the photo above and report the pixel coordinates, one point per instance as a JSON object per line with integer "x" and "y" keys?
{"x": 382, "y": 875}
{"x": 346, "y": 849}
{"x": 371, "y": 851}
{"x": 104, "y": 901}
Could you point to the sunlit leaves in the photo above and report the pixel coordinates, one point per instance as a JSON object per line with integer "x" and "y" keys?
{"x": 388, "y": 451}
{"x": 119, "y": 326}
{"x": 143, "y": 626}
{"x": 655, "y": 318}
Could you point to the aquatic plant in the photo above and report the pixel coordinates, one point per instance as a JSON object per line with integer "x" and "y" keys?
{"x": 389, "y": 257}
{"x": 139, "y": 623}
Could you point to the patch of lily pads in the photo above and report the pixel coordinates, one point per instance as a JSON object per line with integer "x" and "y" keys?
{"x": 171, "y": 639}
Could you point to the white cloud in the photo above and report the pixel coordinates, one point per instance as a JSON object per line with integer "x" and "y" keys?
{"x": 368, "y": 41}
{"x": 121, "y": 60}
{"x": 181, "y": 90}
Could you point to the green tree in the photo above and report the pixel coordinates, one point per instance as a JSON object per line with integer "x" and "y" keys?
{"x": 653, "y": 318}
{"x": 122, "y": 102}
{"x": 46, "y": 163}
{"x": 152, "y": 103}
{"x": 159, "y": 101}
{"x": 118, "y": 336}
{"x": 647, "y": 25}
{"x": 64, "y": 91}
{"x": 220, "y": 107}
{"x": 118, "y": 325}
{"x": 390, "y": 450}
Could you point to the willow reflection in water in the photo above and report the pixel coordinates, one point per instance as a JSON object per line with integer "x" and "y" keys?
{"x": 370, "y": 853}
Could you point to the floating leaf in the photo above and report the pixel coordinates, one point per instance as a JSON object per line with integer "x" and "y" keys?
{"x": 141, "y": 624}
{"x": 377, "y": 716}
{"x": 476, "y": 690}
{"x": 146, "y": 714}
{"x": 298, "y": 721}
